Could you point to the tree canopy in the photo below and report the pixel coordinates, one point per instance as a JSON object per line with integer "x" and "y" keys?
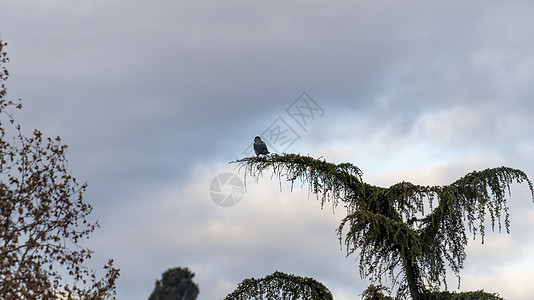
{"x": 175, "y": 284}
{"x": 408, "y": 233}
{"x": 280, "y": 286}
{"x": 42, "y": 217}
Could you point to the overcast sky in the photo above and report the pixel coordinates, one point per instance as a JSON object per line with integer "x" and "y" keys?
{"x": 154, "y": 99}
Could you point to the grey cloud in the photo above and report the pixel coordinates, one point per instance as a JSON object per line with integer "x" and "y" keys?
{"x": 146, "y": 92}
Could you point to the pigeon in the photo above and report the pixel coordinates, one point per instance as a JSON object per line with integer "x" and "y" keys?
{"x": 260, "y": 147}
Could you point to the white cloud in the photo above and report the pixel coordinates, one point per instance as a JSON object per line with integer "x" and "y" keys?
{"x": 267, "y": 231}
{"x": 501, "y": 267}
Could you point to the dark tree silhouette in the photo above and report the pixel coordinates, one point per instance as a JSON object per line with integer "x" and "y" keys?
{"x": 375, "y": 293}
{"x": 42, "y": 217}
{"x": 280, "y": 286}
{"x": 175, "y": 284}
{"x": 408, "y": 233}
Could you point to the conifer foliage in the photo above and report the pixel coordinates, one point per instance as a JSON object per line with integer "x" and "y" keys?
{"x": 408, "y": 233}
{"x": 175, "y": 284}
{"x": 280, "y": 286}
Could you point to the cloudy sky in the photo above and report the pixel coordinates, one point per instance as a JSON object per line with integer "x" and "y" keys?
{"x": 154, "y": 99}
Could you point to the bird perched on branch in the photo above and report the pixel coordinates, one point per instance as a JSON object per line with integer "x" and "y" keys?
{"x": 260, "y": 147}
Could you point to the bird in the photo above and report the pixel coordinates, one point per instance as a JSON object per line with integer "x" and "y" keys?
{"x": 260, "y": 147}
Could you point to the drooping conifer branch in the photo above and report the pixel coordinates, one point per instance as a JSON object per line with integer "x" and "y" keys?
{"x": 328, "y": 181}
{"x": 389, "y": 228}
{"x": 280, "y": 285}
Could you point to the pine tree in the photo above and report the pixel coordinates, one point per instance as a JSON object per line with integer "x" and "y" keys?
{"x": 408, "y": 233}
{"x": 281, "y": 286}
{"x": 175, "y": 284}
